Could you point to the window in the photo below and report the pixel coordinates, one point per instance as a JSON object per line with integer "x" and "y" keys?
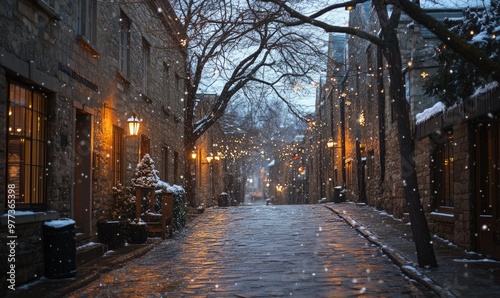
{"x": 176, "y": 167}
{"x": 87, "y": 19}
{"x": 165, "y": 163}
{"x": 118, "y": 155}
{"x": 370, "y": 163}
{"x": 125, "y": 25}
{"x": 145, "y": 146}
{"x": 166, "y": 75}
{"x": 26, "y": 145}
{"x": 146, "y": 52}
{"x": 443, "y": 172}
{"x": 349, "y": 172}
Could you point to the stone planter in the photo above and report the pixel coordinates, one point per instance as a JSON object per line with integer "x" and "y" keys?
{"x": 137, "y": 233}
{"x": 112, "y": 233}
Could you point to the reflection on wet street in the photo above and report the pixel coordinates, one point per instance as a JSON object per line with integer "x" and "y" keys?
{"x": 260, "y": 251}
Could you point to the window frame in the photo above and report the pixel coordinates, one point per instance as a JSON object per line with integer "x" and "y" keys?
{"x": 31, "y": 187}
{"x": 443, "y": 172}
{"x": 87, "y": 20}
{"x": 118, "y": 155}
{"x": 146, "y": 60}
{"x": 124, "y": 45}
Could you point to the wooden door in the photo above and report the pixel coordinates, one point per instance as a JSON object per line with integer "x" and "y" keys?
{"x": 487, "y": 183}
{"x": 82, "y": 174}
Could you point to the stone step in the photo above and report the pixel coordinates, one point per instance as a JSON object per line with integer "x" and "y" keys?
{"x": 89, "y": 252}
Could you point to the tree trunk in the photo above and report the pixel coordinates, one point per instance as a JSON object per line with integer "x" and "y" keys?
{"x": 419, "y": 226}
{"x": 190, "y": 183}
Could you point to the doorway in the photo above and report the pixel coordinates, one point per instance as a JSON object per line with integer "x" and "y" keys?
{"x": 487, "y": 181}
{"x": 82, "y": 175}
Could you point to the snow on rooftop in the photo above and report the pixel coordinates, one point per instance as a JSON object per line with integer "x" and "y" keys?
{"x": 488, "y": 87}
{"x": 428, "y": 113}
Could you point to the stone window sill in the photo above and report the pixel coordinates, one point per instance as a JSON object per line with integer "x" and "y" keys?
{"x": 28, "y": 217}
{"x": 87, "y": 45}
{"x": 123, "y": 78}
{"x": 442, "y": 217}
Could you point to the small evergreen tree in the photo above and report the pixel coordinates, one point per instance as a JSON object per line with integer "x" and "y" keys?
{"x": 455, "y": 77}
{"x": 145, "y": 174}
{"x": 123, "y": 207}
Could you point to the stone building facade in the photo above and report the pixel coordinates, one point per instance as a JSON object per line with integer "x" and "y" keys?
{"x": 456, "y": 152}
{"x": 208, "y": 169}
{"x": 72, "y": 73}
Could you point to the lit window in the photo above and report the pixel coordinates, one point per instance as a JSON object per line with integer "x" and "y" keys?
{"x": 118, "y": 155}
{"x": 26, "y": 146}
{"x": 443, "y": 171}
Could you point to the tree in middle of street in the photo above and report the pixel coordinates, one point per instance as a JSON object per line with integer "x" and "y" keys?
{"x": 388, "y": 17}
{"x": 232, "y": 46}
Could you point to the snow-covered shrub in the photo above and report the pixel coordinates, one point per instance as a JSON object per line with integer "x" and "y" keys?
{"x": 180, "y": 207}
{"x": 180, "y": 203}
{"x": 123, "y": 207}
{"x": 145, "y": 174}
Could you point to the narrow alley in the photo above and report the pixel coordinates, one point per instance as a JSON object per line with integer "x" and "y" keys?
{"x": 260, "y": 251}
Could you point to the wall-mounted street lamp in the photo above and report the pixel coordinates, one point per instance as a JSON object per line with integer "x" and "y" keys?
{"x": 193, "y": 155}
{"x": 332, "y": 145}
{"x": 209, "y": 158}
{"x": 133, "y": 125}
{"x": 350, "y": 7}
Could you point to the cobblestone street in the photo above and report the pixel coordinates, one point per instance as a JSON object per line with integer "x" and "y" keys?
{"x": 260, "y": 251}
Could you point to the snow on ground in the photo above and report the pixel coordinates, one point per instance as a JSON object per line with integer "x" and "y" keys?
{"x": 475, "y": 261}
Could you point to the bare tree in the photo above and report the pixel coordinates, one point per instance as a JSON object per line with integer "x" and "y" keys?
{"x": 389, "y": 43}
{"x": 232, "y": 45}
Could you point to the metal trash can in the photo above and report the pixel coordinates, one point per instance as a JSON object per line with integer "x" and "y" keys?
{"x": 112, "y": 233}
{"x": 60, "y": 248}
{"x": 338, "y": 196}
{"x": 223, "y": 200}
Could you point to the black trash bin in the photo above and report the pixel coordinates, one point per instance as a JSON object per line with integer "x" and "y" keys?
{"x": 60, "y": 248}
{"x": 338, "y": 196}
{"x": 112, "y": 233}
{"x": 223, "y": 200}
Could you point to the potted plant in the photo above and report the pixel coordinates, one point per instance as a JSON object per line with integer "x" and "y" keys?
{"x": 137, "y": 231}
{"x": 115, "y": 232}
{"x": 111, "y": 232}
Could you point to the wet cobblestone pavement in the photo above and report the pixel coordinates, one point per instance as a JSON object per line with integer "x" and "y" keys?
{"x": 260, "y": 251}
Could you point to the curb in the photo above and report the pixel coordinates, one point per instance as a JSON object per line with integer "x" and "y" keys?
{"x": 403, "y": 263}
{"x": 98, "y": 271}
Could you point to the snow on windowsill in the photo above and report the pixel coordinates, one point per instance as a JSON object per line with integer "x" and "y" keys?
{"x": 442, "y": 214}
{"x": 22, "y": 217}
{"x": 443, "y": 217}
